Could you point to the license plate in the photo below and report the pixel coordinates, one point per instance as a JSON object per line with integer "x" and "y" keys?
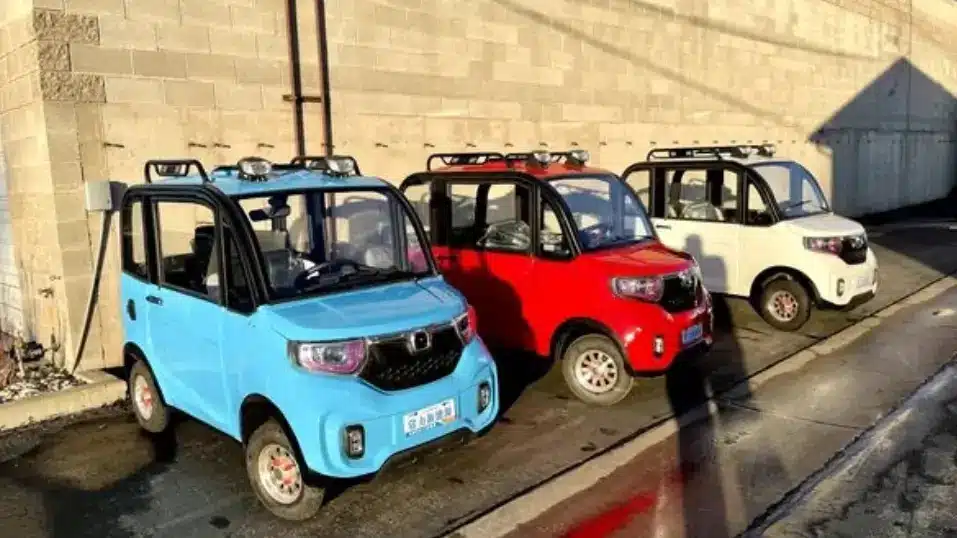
{"x": 863, "y": 281}
{"x": 429, "y": 417}
{"x": 691, "y": 334}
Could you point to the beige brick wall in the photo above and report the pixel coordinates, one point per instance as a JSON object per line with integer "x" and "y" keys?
{"x": 92, "y": 88}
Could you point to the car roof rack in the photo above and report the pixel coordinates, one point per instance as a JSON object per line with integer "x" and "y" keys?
{"x": 322, "y": 163}
{"x": 173, "y": 168}
{"x": 455, "y": 159}
{"x": 740, "y": 151}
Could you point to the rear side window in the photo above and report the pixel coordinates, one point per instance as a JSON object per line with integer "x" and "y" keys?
{"x": 420, "y": 195}
{"x": 134, "y": 241}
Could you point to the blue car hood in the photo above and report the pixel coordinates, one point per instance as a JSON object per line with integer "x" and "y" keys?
{"x": 371, "y": 311}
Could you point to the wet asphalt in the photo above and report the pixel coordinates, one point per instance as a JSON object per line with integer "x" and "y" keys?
{"x": 99, "y": 476}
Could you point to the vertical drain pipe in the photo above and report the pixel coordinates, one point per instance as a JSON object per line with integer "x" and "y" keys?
{"x": 295, "y": 70}
{"x": 323, "y": 38}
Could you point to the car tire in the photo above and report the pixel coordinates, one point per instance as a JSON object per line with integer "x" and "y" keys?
{"x": 785, "y": 304}
{"x": 147, "y": 401}
{"x": 276, "y": 472}
{"x": 595, "y": 371}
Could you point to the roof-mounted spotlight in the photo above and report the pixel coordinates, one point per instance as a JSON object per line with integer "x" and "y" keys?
{"x": 341, "y": 166}
{"x": 578, "y": 157}
{"x": 254, "y": 168}
{"x": 541, "y": 158}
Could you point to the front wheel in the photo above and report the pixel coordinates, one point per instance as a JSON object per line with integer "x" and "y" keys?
{"x": 277, "y": 476}
{"x": 785, "y": 304}
{"x": 594, "y": 370}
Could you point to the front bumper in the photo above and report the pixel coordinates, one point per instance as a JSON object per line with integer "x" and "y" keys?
{"x": 320, "y": 428}
{"x": 653, "y": 348}
{"x": 844, "y": 285}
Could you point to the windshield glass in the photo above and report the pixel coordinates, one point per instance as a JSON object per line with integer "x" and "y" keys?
{"x": 796, "y": 191}
{"x": 605, "y": 211}
{"x": 320, "y": 241}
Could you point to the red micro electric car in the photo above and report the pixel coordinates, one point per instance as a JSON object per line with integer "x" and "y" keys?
{"x": 559, "y": 258}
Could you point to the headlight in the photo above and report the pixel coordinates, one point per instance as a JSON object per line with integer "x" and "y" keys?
{"x": 645, "y": 288}
{"x": 467, "y": 325}
{"x": 344, "y": 357}
{"x": 827, "y": 245}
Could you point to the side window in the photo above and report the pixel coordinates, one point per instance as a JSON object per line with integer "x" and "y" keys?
{"x": 640, "y": 181}
{"x": 506, "y": 221}
{"x": 134, "y": 241}
{"x": 728, "y": 184}
{"x": 188, "y": 248}
{"x": 757, "y": 212}
{"x": 463, "y": 199}
{"x": 552, "y": 241}
{"x": 420, "y": 196}
{"x": 689, "y": 196}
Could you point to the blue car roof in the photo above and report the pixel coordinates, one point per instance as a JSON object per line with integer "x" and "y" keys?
{"x": 230, "y": 185}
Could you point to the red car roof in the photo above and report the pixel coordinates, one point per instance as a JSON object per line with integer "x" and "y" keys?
{"x": 499, "y": 165}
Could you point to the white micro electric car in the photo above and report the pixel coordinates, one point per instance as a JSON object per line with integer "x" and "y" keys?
{"x": 760, "y": 227}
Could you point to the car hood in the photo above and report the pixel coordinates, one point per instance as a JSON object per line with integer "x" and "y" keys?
{"x": 824, "y": 225}
{"x": 643, "y": 259}
{"x": 378, "y": 310}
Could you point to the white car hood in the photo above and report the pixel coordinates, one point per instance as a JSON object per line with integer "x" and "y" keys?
{"x": 824, "y": 225}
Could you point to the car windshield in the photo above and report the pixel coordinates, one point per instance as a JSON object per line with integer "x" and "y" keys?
{"x": 605, "y": 211}
{"x": 320, "y": 241}
{"x": 795, "y": 190}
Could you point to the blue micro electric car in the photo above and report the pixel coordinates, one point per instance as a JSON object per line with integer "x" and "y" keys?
{"x": 297, "y": 308}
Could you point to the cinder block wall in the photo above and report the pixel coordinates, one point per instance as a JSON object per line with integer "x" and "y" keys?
{"x": 861, "y": 91}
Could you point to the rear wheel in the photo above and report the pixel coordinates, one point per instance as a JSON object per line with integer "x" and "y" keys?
{"x": 785, "y": 304}
{"x": 594, "y": 370}
{"x": 277, "y": 475}
{"x": 148, "y": 406}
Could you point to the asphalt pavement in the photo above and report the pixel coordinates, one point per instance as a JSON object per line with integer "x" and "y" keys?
{"x": 898, "y": 481}
{"x": 101, "y": 477}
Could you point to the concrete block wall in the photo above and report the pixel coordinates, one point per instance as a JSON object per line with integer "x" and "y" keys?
{"x": 859, "y": 90}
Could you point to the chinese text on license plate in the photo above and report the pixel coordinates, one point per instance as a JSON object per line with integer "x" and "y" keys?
{"x": 691, "y": 334}
{"x": 429, "y": 417}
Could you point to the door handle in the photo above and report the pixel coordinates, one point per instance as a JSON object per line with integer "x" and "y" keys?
{"x": 154, "y": 299}
{"x": 448, "y": 258}
{"x": 662, "y": 226}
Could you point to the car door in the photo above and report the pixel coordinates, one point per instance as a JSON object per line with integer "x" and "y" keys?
{"x": 186, "y": 313}
{"x": 698, "y": 214}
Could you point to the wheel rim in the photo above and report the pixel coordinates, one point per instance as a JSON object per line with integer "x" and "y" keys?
{"x": 783, "y": 306}
{"x": 596, "y": 371}
{"x": 279, "y": 474}
{"x": 143, "y": 397}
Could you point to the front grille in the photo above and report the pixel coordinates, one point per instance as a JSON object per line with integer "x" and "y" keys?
{"x": 854, "y": 250}
{"x": 392, "y": 366}
{"x": 679, "y": 295}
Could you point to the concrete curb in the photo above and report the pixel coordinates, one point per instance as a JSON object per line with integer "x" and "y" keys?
{"x": 99, "y": 389}
{"x": 527, "y": 507}
{"x": 937, "y": 224}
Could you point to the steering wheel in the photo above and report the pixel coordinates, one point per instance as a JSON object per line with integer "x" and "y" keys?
{"x": 325, "y": 267}
{"x": 593, "y": 234}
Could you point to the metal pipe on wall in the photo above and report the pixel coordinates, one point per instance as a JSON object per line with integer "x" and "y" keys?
{"x": 323, "y": 38}
{"x": 295, "y": 70}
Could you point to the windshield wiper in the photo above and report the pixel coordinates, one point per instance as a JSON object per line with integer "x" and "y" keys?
{"x": 364, "y": 275}
{"x": 794, "y": 205}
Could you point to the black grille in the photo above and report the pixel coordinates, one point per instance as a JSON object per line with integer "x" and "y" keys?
{"x": 679, "y": 295}
{"x": 391, "y": 366}
{"x": 854, "y": 250}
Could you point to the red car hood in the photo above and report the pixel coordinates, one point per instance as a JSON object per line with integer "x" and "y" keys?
{"x": 643, "y": 259}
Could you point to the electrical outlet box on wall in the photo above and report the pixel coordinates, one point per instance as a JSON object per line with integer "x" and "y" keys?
{"x": 103, "y": 195}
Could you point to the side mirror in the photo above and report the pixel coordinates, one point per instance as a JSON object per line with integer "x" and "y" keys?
{"x": 554, "y": 244}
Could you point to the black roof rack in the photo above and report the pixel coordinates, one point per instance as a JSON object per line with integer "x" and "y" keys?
{"x": 173, "y": 168}
{"x": 453, "y": 159}
{"x": 321, "y": 162}
{"x": 690, "y": 152}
